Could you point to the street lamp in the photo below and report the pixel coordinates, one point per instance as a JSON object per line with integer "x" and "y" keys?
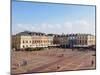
{"x": 72, "y": 42}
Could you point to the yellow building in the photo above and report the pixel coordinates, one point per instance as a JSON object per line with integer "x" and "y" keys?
{"x": 29, "y": 39}
{"x": 40, "y": 41}
{"x": 91, "y": 40}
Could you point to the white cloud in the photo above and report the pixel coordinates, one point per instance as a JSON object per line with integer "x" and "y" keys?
{"x": 81, "y": 26}
{"x": 68, "y": 25}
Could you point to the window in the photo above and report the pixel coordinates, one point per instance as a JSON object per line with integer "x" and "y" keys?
{"x": 23, "y": 41}
{"x": 26, "y": 45}
{"x": 26, "y": 41}
{"x": 23, "y": 46}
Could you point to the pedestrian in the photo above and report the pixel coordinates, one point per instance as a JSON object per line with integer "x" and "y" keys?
{"x": 18, "y": 64}
{"x": 92, "y": 62}
{"x": 58, "y": 66}
{"x": 62, "y": 55}
{"x": 24, "y": 62}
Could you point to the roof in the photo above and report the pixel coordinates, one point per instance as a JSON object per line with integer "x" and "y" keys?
{"x": 28, "y": 33}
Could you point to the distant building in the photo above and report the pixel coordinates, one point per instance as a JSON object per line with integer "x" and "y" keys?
{"x": 28, "y": 39}
{"x": 56, "y": 40}
{"x": 85, "y": 40}
{"x": 75, "y": 40}
{"x": 50, "y": 40}
{"x": 82, "y": 40}
{"x": 63, "y": 41}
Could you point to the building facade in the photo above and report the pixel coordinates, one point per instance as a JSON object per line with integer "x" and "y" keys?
{"x": 28, "y": 39}
{"x": 75, "y": 40}
{"x": 81, "y": 40}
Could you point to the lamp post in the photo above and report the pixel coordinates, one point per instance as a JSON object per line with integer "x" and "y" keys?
{"x": 72, "y": 41}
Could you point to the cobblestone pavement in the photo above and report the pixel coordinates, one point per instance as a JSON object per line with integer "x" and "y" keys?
{"x": 51, "y": 60}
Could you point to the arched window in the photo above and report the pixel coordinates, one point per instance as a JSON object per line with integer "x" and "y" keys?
{"x": 26, "y": 41}
{"x": 23, "y": 41}
{"x": 23, "y": 46}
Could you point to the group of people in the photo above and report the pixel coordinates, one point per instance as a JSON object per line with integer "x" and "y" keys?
{"x": 22, "y": 63}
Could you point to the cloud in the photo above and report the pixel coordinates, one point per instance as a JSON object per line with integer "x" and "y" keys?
{"x": 83, "y": 26}
{"x": 80, "y": 26}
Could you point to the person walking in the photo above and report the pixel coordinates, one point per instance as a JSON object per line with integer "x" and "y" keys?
{"x": 58, "y": 66}
{"x": 24, "y": 62}
{"x": 92, "y": 62}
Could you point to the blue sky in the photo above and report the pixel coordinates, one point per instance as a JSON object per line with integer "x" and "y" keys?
{"x": 52, "y": 18}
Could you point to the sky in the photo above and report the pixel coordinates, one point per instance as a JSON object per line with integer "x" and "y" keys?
{"x": 52, "y": 18}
